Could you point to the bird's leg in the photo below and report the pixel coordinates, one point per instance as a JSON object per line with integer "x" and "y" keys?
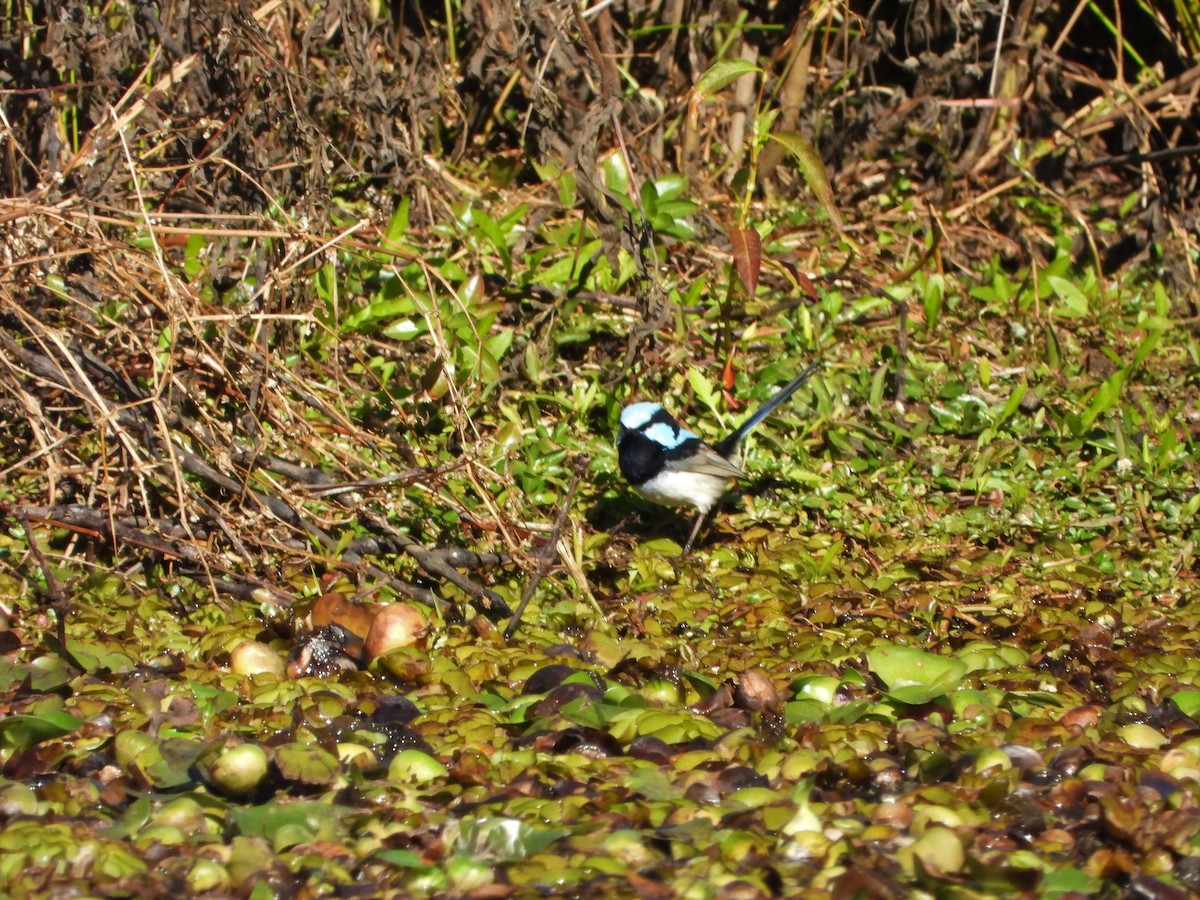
{"x": 687, "y": 548}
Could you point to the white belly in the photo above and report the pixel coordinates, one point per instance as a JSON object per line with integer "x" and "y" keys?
{"x": 684, "y": 489}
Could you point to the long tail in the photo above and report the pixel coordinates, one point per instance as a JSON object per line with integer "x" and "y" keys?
{"x": 729, "y": 444}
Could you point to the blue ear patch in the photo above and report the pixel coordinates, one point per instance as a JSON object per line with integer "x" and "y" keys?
{"x": 669, "y": 436}
{"x": 656, "y": 425}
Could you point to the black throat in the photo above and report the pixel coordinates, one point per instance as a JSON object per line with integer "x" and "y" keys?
{"x": 641, "y": 458}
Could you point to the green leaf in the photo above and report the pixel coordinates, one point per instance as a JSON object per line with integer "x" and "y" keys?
{"x": 851, "y": 712}
{"x": 1013, "y": 403}
{"x": 497, "y": 345}
{"x": 305, "y": 764}
{"x": 934, "y": 291}
{"x": 1074, "y": 301}
{"x": 505, "y": 838}
{"x": 176, "y": 757}
{"x": 1053, "y": 350}
{"x": 703, "y": 388}
{"x": 1069, "y": 881}
{"x": 649, "y": 201}
{"x": 96, "y": 657}
{"x": 671, "y": 726}
{"x": 721, "y": 75}
{"x": 1146, "y": 347}
{"x": 878, "y": 385}
{"x": 192, "y": 265}
{"x": 24, "y": 731}
{"x": 672, "y": 186}
{"x": 813, "y": 170}
{"x": 799, "y": 711}
{"x": 382, "y": 309}
{"x": 316, "y": 819}
{"x": 326, "y": 282}
{"x": 397, "y": 227}
{"x": 491, "y": 231}
{"x": 914, "y": 676}
{"x": 405, "y": 859}
{"x": 405, "y": 329}
{"x": 1188, "y": 702}
{"x": 651, "y": 783}
{"x": 1106, "y": 397}
{"x": 45, "y": 673}
{"x": 702, "y": 684}
{"x": 616, "y": 176}
{"x": 211, "y": 700}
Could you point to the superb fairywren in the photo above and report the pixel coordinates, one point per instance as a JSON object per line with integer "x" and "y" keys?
{"x": 670, "y": 465}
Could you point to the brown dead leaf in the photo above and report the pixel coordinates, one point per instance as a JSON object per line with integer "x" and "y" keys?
{"x": 747, "y": 256}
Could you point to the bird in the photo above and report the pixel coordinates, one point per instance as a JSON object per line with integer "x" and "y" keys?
{"x": 670, "y": 465}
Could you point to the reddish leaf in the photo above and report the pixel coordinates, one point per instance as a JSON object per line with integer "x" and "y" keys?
{"x": 807, "y": 285}
{"x": 799, "y": 279}
{"x": 648, "y": 889}
{"x": 728, "y": 376}
{"x": 747, "y": 256}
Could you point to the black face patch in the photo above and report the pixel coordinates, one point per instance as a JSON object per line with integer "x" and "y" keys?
{"x": 641, "y": 458}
